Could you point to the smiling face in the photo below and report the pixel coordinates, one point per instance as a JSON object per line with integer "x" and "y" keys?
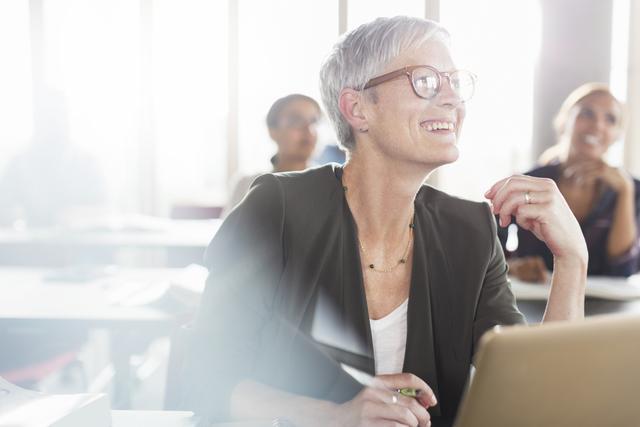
{"x": 594, "y": 125}
{"x": 408, "y": 128}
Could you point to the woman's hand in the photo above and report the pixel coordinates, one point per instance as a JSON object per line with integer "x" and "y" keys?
{"x": 538, "y": 206}
{"x": 529, "y": 268}
{"x": 589, "y": 171}
{"x": 381, "y": 405}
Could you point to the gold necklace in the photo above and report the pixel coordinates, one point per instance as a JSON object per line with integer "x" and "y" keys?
{"x": 405, "y": 254}
{"x": 402, "y": 260}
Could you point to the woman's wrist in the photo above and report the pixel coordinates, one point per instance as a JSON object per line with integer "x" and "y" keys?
{"x": 574, "y": 265}
{"x": 574, "y": 255}
{"x": 625, "y": 185}
{"x": 626, "y": 190}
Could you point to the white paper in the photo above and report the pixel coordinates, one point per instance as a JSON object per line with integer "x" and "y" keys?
{"x": 26, "y": 408}
{"x": 611, "y": 288}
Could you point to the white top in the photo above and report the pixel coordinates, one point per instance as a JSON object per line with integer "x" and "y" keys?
{"x": 389, "y": 336}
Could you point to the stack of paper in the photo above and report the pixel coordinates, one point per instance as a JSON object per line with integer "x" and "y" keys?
{"x": 26, "y": 408}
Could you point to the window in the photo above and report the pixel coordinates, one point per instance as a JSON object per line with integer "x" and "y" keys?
{"x": 15, "y": 86}
{"x": 495, "y": 142}
{"x": 92, "y": 56}
{"x": 281, "y": 48}
{"x": 190, "y": 98}
{"x": 361, "y": 11}
{"x": 619, "y": 64}
{"x": 147, "y": 84}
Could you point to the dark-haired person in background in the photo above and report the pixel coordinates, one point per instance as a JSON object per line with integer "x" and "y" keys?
{"x": 292, "y": 124}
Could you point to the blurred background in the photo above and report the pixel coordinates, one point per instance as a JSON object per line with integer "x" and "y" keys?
{"x": 125, "y": 123}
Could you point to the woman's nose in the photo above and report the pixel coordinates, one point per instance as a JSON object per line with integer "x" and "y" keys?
{"x": 601, "y": 124}
{"x": 447, "y": 95}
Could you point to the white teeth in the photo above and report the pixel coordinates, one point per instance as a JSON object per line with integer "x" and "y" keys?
{"x": 439, "y": 125}
{"x": 591, "y": 139}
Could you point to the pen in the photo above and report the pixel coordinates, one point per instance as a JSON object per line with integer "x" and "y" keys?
{"x": 409, "y": 392}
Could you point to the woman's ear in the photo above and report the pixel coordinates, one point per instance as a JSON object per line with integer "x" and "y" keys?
{"x": 350, "y": 104}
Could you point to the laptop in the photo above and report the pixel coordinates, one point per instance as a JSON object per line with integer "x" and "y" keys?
{"x": 564, "y": 374}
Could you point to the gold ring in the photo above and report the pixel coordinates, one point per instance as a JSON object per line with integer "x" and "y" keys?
{"x": 527, "y": 198}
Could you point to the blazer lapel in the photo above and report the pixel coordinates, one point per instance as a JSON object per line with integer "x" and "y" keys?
{"x": 354, "y": 308}
{"x": 341, "y": 319}
{"x": 420, "y": 357}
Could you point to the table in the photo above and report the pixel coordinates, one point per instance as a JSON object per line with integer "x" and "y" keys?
{"x": 170, "y": 419}
{"x": 107, "y": 297}
{"x": 152, "y": 418}
{"x": 132, "y": 230}
{"x": 605, "y": 295}
{"x": 115, "y": 300}
{"x": 99, "y": 241}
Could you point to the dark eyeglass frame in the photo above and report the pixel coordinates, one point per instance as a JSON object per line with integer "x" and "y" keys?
{"x": 408, "y": 71}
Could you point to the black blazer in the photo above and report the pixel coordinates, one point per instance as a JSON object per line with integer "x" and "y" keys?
{"x": 285, "y": 303}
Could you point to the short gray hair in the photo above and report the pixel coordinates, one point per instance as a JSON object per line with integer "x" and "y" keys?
{"x": 362, "y": 54}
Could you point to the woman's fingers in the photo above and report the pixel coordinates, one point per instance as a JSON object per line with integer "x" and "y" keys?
{"x": 587, "y": 177}
{"x": 494, "y": 188}
{"x": 513, "y": 200}
{"x": 534, "y": 218}
{"x": 518, "y": 184}
{"x": 407, "y": 380}
{"x": 539, "y": 207}
{"x": 391, "y": 405}
{"x": 386, "y": 395}
{"x": 378, "y": 412}
{"x": 582, "y": 168}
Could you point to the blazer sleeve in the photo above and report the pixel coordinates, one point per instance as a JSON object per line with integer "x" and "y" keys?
{"x": 496, "y": 304}
{"x": 245, "y": 261}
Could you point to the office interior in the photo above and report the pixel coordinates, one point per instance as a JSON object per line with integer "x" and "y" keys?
{"x": 126, "y": 124}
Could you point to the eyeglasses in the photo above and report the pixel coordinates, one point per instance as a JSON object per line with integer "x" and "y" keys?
{"x": 295, "y": 121}
{"x": 426, "y": 81}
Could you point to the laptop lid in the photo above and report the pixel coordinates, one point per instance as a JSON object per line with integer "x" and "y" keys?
{"x": 584, "y": 373}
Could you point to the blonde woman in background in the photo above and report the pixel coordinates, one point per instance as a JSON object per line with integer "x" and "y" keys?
{"x": 603, "y": 198}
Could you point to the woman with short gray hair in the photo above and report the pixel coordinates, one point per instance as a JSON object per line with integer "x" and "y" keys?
{"x": 365, "y": 266}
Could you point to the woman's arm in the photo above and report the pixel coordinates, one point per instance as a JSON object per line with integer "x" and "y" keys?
{"x": 624, "y": 233}
{"x": 568, "y": 282}
{"x": 245, "y": 261}
{"x": 622, "y": 242}
{"x": 539, "y": 207}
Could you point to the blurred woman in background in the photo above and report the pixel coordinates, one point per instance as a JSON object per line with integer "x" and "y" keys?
{"x": 605, "y": 199}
